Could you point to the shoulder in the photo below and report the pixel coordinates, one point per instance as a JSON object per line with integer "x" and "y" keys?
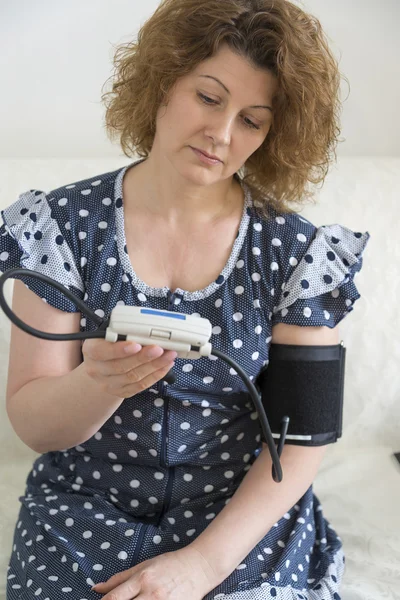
{"x": 91, "y": 194}
{"x": 288, "y": 226}
{"x": 284, "y": 237}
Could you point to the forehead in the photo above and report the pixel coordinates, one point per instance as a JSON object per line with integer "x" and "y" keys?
{"x": 237, "y": 74}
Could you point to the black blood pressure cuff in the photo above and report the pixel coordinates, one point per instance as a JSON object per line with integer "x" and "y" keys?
{"x": 305, "y": 383}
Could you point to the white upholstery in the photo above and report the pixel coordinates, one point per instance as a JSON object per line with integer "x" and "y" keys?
{"x": 359, "y": 481}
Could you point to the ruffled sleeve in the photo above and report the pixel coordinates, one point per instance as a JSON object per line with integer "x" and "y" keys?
{"x": 32, "y": 238}
{"x": 316, "y": 270}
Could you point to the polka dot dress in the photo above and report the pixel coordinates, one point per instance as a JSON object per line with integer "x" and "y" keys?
{"x": 170, "y": 458}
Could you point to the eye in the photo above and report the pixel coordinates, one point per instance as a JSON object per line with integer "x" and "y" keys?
{"x": 210, "y": 101}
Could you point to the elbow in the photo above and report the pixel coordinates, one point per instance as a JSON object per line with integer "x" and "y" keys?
{"x": 21, "y": 432}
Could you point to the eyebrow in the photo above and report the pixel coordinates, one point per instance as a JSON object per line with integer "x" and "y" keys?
{"x": 226, "y": 89}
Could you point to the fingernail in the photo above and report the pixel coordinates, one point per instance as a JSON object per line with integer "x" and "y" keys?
{"x": 132, "y": 348}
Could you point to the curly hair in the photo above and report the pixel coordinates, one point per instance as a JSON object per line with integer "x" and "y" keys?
{"x": 273, "y": 35}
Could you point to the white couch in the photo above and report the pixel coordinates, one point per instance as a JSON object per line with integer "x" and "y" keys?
{"x": 359, "y": 480}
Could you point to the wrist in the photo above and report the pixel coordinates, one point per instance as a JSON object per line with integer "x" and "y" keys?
{"x": 212, "y": 576}
{"x": 211, "y": 572}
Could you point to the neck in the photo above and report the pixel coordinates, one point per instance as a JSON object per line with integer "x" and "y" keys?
{"x": 166, "y": 194}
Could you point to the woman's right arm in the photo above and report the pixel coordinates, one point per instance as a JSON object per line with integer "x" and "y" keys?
{"x": 53, "y": 403}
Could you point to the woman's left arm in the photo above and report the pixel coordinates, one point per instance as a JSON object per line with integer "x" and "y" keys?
{"x": 257, "y": 504}
{"x": 259, "y": 501}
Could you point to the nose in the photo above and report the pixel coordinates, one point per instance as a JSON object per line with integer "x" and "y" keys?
{"x": 220, "y": 130}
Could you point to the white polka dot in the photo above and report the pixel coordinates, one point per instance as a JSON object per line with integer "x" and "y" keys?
{"x": 157, "y": 539}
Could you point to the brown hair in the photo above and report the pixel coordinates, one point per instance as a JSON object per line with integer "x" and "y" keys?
{"x": 272, "y": 35}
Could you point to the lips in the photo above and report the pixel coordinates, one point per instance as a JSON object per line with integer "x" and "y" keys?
{"x": 208, "y": 155}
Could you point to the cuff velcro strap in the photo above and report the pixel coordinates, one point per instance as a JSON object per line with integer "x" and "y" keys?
{"x": 305, "y": 383}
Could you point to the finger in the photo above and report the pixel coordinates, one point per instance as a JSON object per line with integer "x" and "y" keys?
{"x": 120, "y": 366}
{"x": 127, "y": 371}
{"x": 126, "y": 591}
{"x": 104, "y": 350}
{"x": 111, "y": 583}
{"x": 131, "y": 388}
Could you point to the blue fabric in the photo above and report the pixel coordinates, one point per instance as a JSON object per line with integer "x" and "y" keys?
{"x": 169, "y": 459}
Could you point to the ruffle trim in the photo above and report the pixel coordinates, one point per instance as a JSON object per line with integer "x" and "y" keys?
{"x": 332, "y": 260}
{"x": 36, "y": 241}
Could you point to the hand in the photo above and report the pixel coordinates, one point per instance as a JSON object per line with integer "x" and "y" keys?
{"x": 181, "y": 575}
{"x": 121, "y": 374}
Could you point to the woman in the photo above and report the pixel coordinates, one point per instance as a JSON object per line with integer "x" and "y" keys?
{"x": 155, "y": 490}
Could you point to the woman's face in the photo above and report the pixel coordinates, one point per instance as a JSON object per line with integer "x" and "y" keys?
{"x": 232, "y": 129}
